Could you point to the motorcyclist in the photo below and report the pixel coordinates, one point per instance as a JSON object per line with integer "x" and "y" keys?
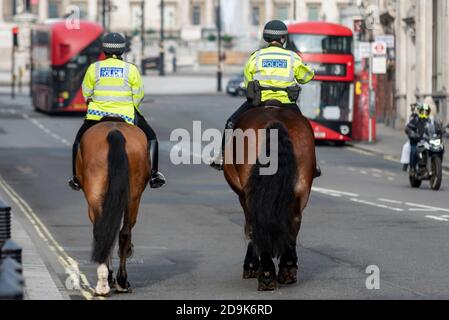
{"x": 271, "y": 73}
{"x": 416, "y": 131}
{"x": 114, "y": 88}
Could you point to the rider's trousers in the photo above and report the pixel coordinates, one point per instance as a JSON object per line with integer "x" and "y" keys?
{"x": 141, "y": 123}
{"x": 413, "y": 155}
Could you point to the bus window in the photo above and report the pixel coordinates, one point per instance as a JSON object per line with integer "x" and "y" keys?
{"x": 326, "y": 101}
{"x": 320, "y": 44}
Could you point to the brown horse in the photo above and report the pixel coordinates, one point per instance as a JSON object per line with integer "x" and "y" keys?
{"x": 273, "y": 204}
{"x": 113, "y": 170}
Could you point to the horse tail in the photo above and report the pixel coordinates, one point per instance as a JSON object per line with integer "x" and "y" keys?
{"x": 107, "y": 225}
{"x": 272, "y": 198}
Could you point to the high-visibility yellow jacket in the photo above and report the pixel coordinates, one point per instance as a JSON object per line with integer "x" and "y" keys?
{"x": 115, "y": 88}
{"x": 279, "y": 68}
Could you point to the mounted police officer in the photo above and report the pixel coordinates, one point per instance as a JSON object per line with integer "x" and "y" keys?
{"x": 113, "y": 88}
{"x": 271, "y": 73}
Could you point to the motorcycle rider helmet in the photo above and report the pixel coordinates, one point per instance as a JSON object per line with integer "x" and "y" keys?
{"x": 114, "y": 44}
{"x": 275, "y": 30}
{"x": 424, "y": 111}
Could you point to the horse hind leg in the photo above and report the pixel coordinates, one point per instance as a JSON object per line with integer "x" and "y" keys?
{"x": 251, "y": 264}
{"x": 111, "y": 279}
{"x": 267, "y": 275}
{"x": 122, "y": 285}
{"x": 288, "y": 268}
{"x": 288, "y": 265}
{"x": 102, "y": 289}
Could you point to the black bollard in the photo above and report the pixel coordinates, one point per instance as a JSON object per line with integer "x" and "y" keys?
{"x": 10, "y": 289}
{"x": 12, "y": 250}
{"x": 11, "y": 264}
{"x": 14, "y": 276}
{"x": 5, "y": 223}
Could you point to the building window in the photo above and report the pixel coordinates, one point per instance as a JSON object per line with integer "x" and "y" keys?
{"x": 282, "y": 12}
{"x": 196, "y": 15}
{"x": 53, "y": 9}
{"x": 255, "y": 16}
{"x": 313, "y": 12}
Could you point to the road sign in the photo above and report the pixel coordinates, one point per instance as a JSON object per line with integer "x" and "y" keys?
{"x": 364, "y": 49}
{"x": 388, "y": 39}
{"x": 379, "y": 48}
{"x": 380, "y": 65}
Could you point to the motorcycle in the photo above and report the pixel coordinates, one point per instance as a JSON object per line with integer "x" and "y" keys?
{"x": 430, "y": 151}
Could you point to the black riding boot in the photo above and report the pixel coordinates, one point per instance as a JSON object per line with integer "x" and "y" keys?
{"x": 73, "y": 182}
{"x": 218, "y": 162}
{"x": 318, "y": 172}
{"x": 157, "y": 179}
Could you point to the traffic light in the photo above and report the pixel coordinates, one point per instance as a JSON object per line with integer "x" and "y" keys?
{"x": 15, "y": 37}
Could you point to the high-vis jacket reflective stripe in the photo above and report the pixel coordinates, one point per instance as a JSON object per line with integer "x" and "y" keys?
{"x": 279, "y": 68}
{"x": 115, "y": 88}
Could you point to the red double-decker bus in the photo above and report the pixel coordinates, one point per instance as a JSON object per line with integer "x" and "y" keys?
{"x": 328, "y": 101}
{"x": 60, "y": 56}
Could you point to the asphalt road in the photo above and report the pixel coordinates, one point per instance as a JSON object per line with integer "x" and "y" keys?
{"x": 189, "y": 239}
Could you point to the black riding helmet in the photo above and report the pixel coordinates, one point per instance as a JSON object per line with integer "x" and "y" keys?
{"x": 114, "y": 44}
{"x": 274, "y": 31}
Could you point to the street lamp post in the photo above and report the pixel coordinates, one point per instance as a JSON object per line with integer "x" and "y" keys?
{"x": 103, "y": 14}
{"x": 162, "y": 45}
{"x": 142, "y": 37}
{"x": 294, "y": 10}
{"x": 219, "y": 50}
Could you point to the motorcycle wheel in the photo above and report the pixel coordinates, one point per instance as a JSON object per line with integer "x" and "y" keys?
{"x": 437, "y": 173}
{"x": 414, "y": 182}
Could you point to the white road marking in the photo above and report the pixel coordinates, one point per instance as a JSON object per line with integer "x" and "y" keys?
{"x": 390, "y": 201}
{"x": 373, "y": 204}
{"x": 364, "y": 152}
{"x": 47, "y": 131}
{"x": 334, "y": 192}
{"x": 68, "y": 263}
{"x": 377, "y": 175}
{"x": 438, "y": 218}
{"x": 426, "y": 207}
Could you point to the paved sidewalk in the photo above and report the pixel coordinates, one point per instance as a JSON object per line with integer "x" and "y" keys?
{"x": 390, "y": 142}
{"x": 39, "y": 285}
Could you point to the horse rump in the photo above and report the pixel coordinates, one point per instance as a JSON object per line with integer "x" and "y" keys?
{"x": 115, "y": 203}
{"x": 271, "y": 198}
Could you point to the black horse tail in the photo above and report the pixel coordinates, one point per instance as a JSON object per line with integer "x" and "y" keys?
{"x": 116, "y": 200}
{"x": 272, "y": 198}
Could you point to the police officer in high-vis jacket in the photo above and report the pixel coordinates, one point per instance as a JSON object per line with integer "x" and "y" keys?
{"x": 113, "y": 88}
{"x": 272, "y": 73}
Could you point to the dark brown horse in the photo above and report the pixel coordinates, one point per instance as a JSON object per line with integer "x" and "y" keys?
{"x": 273, "y": 204}
{"x": 113, "y": 169}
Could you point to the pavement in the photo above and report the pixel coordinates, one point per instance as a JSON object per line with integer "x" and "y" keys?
{"x": 39, "y": 284}
{"x": 389, "y": 143}
{"x": 189, "y": 239}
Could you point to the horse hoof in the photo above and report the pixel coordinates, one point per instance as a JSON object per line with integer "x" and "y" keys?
{"x": 288, "y": 275}
{"x": 267, "y": 281}
{"x": 123, "y": 289}
{"x": 102, "y": 291}
{"x": 250, "y": 271}
{"x": 112, "y": 283}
